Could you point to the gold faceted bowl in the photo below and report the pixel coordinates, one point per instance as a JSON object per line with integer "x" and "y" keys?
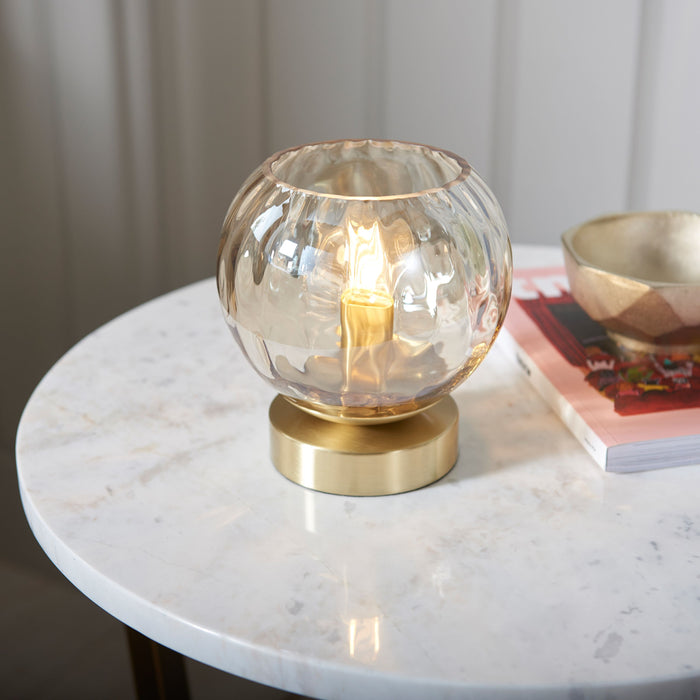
{"x": 638, "y": 275}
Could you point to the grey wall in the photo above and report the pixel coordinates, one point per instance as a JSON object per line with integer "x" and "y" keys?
{"x": 126, "y": 127}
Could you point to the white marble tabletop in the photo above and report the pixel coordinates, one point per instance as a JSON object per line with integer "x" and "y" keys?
{"x": 526, "y": 572}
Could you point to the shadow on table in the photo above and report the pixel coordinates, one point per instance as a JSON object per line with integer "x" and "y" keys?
{"x": 504, "y": 428}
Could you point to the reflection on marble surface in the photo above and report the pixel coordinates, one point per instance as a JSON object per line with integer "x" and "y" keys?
{"x": 363, "y": 638}
{"x": 145, "y": 475}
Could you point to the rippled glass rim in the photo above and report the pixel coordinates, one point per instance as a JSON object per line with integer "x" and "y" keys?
{"x": 465, "y": 171}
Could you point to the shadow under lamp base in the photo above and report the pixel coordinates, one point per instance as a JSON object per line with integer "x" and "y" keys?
{"x": 364, "y": 460}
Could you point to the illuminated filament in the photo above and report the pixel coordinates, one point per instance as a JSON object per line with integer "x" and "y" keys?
{"x": 366, "y": 306}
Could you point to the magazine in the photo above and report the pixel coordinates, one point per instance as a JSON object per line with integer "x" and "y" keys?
{"x": 631, "y": 411}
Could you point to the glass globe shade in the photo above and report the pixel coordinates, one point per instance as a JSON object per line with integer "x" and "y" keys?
{"x": 364, "y": 279}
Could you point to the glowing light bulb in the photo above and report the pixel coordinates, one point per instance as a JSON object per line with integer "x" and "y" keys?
{"x": 366, "y": 306}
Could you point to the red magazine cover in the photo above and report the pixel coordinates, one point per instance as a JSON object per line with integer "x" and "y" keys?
{"x": 632, "y": 411}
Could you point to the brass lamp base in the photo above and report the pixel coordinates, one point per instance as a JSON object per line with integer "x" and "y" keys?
{"x": 364, "y": 460}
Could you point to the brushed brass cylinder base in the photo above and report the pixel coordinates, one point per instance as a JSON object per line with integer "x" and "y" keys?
{"x": 364, "y": 460}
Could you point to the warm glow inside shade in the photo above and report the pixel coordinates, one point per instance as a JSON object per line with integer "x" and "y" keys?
{"x": 364, "y": 279}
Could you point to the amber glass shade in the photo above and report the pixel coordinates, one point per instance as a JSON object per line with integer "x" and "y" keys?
{"x": 364, "y": 279}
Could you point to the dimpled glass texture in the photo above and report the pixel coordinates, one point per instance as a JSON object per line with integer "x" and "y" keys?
{"x": 364, "y": 279}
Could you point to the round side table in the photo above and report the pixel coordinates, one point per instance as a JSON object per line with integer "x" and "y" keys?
{"x": 526, "y": 572}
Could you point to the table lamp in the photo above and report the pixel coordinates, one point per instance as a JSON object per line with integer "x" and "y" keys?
{"x": 364, "y": 280}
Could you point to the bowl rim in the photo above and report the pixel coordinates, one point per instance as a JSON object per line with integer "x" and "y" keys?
{"x": 568, "y": 236}
{"x": 465, "y": 170}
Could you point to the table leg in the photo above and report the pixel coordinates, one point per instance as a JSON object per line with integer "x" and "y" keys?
{"x": 159, "y": 672}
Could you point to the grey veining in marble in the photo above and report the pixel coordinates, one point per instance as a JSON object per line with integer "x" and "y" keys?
{"x": 526, "y": 572}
